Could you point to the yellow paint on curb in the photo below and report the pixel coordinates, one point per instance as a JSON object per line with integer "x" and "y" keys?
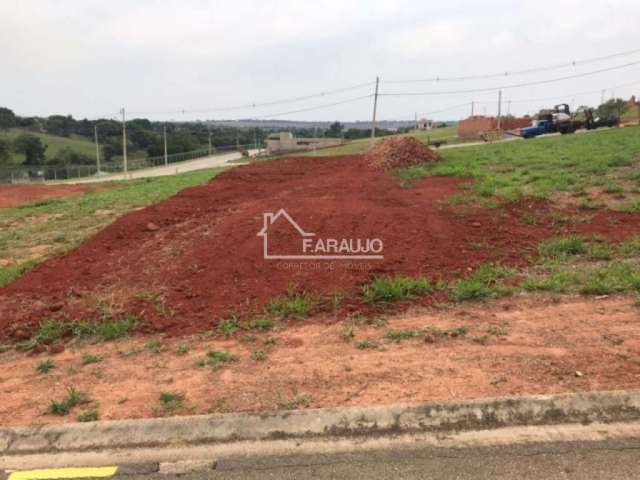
{"x": 55, "y": 473}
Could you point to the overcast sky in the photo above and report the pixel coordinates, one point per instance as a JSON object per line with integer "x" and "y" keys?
{"x": 91, "y": 58}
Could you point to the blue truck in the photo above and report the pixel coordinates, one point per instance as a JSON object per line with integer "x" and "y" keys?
{"x": 557, "y": 120}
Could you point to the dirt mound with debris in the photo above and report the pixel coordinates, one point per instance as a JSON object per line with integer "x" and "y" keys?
{"x": 256, "y": 231}
{"x": 396, "y": 152}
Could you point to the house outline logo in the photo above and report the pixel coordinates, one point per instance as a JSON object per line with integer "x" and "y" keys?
{"x": 269, "y": 218}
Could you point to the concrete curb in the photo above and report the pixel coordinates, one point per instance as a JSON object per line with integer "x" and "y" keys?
{"x": 353, "y": 422}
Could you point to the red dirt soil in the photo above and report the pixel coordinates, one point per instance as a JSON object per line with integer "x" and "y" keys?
{"x": 14, "y": 195}
{"x": 184, "y": 263}
{"x": 395, "y": 152}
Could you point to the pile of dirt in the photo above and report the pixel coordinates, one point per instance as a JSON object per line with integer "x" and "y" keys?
{"x": 191, "y": 260}
{"x": 395, "y": 152}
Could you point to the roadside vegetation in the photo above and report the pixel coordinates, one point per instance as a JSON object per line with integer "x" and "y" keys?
{"x": 30, "y": 233}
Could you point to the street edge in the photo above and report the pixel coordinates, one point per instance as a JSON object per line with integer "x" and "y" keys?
{"x": 351, "y": 422}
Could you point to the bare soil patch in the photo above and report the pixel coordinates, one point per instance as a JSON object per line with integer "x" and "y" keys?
{"x": 15, "y": 195}
{"x": 185, "y": 263}
{"x": 533, "y": 345}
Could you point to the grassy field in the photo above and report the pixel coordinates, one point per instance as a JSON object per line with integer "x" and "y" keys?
{"x": 30, "y": 233}
{"x": 54, "y": 144}
{"x": 544, "y": 166}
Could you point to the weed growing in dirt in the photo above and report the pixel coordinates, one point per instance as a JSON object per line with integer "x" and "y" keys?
{"x": 45, "y": 366}
{"x": 481, "y": 339}
{"x": 271, "y": 341}
{"x": 497, "y": 331}
{"x": 262, "y": 324}
{"x": 259, "y": 355}
{"x": 399, "y": 335}
{"x": 154, "y": 346}
{"x": 215, "y": 358}
{"x": 348, "y": 332}
{"x": 51, "y": 330}
{"x": 296, "y": 304}
{"x": 367, "y": 344}
{"x": 88, "y": 416}
{"x": 390, "y": 289}
{"x": 104, "y": 330}
{"x": 88, "y": 359}
{"x": 485, "y": 282}
{"x": 171, "y": 401}
{"x": 563, "y": 247}
{"x": 182, "y": 349}
{"x": 74, "y": 397}
{"x": 614, "y": 277}
{"x": 293, "y": 403}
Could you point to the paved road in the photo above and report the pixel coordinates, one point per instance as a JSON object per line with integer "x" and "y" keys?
{"x": 220, "y": 160}
{"x": 611, "y": 460}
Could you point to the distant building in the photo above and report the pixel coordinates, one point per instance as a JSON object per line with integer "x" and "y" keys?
{"x": 285, "y": 142}
{"x": 425, "y": 124}
{"x": 476, "y": 126}
{"x": 632, "y": 102}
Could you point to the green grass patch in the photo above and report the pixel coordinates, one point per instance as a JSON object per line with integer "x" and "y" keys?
{"x": 400, "y": 335}
{"x": 296, "y": 304}
{"x": 391, "y": 289}
{"x": 171, "y": 401}
{"x": 216, "y": 358}
{"x": 45, "y": 366}
{"x": 63, "y": 407}
{"x": 88, "y": 416}
{"x": 53, "y": 330}
{"x": 88, "y": 359}
{"x": 485, "y": 282}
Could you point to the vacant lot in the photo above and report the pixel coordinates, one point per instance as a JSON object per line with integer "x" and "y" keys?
{"x": 522, "y": 226}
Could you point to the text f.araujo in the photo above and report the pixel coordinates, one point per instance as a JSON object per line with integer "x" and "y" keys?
{"x": 312, "y": 247}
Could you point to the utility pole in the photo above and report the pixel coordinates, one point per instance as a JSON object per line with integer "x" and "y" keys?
{"x": 124, "y": 142}
{"x": 416, "y": 119}
{"x": 375, "y": 106}
{"x": 164, "y": 134}
{"x": 499, "y": 109}
{"x": 95, "y": 135}
{"x": 473, "y": 105}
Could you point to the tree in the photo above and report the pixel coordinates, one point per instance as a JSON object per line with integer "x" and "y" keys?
{"x": 7, "y": 118}
{"x": 68, "y": 156}
{"x": 612, "y": 109}
{"x": 32, "y": 148}
{"x": 335, "y": 130}
{"x": 5, "y": 150}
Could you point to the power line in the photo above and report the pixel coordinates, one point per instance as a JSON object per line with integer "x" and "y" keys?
{"x": 518, "y": 72}
{"x": 257, "y": 105}
{"x": 575, "y": 94}
{"x": 517, "y": 85}
{"x": 318, "y": 107}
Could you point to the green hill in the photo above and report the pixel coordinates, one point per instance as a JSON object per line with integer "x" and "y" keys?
{"x": 54, "y": 144}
